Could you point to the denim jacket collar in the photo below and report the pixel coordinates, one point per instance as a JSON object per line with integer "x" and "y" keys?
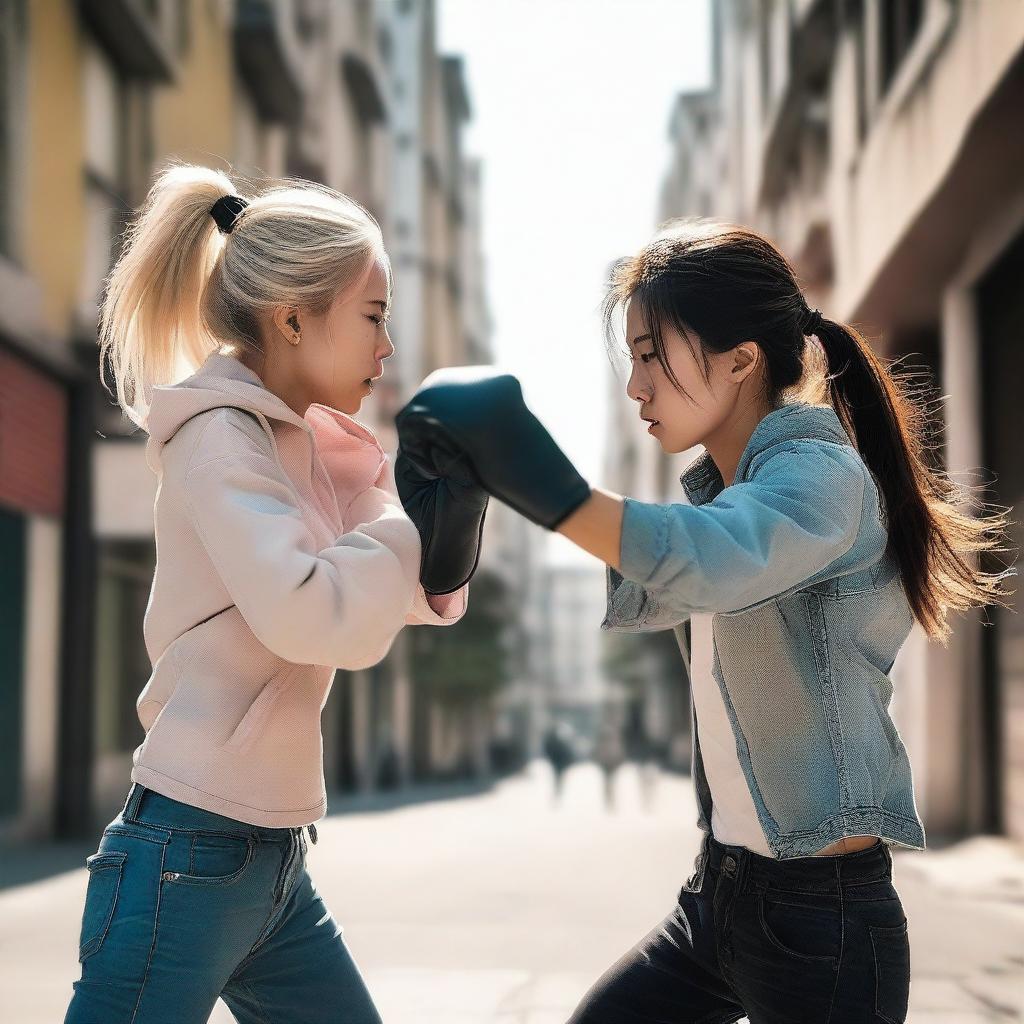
{"x": 702, "y": 481}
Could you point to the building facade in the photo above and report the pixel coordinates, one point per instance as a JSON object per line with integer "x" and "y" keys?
{"x": 96, "y": 95}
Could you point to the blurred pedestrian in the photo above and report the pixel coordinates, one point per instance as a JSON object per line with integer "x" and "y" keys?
{"x": 610, "y": 754}
{"x": 559, "y": 749}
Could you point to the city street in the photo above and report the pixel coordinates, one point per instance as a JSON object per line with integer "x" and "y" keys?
{"x": 498, "y": 907}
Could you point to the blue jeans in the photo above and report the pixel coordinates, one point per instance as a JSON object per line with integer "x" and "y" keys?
{"x": 184, "y": 905}
{"x": 807, "y": 940}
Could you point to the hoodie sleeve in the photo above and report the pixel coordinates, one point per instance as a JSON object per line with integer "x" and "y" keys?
{"x": 340, "y": 605}
{"x": 427, "y": 609}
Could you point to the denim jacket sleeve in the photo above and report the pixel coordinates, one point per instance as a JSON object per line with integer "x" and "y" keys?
{"x": 807, "y": 511}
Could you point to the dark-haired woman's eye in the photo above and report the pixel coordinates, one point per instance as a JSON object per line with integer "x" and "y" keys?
{"x": 646, "y": 357}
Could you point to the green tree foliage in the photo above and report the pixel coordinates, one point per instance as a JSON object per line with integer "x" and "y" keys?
{"x": 467, "y": 662}
{"x": 630, "y": 658}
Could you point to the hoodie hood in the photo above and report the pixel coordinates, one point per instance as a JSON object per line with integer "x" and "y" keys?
{"x": 351, "y": 453}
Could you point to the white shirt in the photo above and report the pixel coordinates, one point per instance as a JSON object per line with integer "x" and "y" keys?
{"x": 734, "y": 819}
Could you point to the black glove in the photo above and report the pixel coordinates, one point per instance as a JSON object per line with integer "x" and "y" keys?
{"x": 440, "y": 494}
{"x": 474, "y": 410}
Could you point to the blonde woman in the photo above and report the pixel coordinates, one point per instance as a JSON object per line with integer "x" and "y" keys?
{"x": 282, "y": 553}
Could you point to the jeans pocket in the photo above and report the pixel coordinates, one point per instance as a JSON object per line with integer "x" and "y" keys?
{"x": 803, "y": 929}
{"x": 105, "y": 870}
{"x": 891, "y": 952}
{"x": 215, "y": 859}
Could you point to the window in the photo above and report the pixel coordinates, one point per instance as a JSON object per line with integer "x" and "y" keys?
{"x": 855, "y": 24}
{"x": 764, "y": 46}
{"x": 122, "y": 663}
{"x": 12, "y": 41}
{"x": 105, "y": 104}
{"x": 899, "y": 23}
{"x": 183, "y": 27}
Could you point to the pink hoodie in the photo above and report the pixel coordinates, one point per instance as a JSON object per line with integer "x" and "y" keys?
{"x": 282, "y": 553}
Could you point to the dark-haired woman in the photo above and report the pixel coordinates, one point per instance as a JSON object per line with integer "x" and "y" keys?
{"x": 815, "y": 534}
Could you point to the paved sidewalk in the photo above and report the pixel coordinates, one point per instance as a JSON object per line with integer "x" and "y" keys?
{"x": 492, "y": 906}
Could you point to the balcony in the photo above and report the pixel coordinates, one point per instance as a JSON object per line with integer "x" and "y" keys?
{"x": 264, "y": 62}
{"x": 132, "y": 35}
{"x": 361, "y": 83}
{"x": 797, "y": 108}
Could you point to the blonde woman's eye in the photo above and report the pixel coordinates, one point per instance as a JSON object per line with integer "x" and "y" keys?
{"x": 378, "y": 320}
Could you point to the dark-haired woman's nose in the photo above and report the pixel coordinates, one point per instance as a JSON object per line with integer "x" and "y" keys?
{"x": 637, "y": 387}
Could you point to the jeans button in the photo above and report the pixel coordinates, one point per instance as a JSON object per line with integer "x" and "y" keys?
{"x": 729, "y": 864}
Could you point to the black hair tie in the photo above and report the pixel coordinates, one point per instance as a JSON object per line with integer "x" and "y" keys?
{"x": 226, "y": 212}
{"x": 812, "y": 320}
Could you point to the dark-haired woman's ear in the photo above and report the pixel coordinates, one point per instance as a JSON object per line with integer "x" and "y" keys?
{"x": 745, "y": 358}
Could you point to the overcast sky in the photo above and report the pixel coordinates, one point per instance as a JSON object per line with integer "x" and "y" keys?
{"x": 571, "y": 101}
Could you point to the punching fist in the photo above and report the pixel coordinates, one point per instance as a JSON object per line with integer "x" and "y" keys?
{"x": 476, "y": 412}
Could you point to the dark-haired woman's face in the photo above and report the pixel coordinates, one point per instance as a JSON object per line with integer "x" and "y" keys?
{"x": 712, "y": 388}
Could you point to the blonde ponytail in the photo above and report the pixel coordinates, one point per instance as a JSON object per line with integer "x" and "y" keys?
{"x": 181, "y": 289}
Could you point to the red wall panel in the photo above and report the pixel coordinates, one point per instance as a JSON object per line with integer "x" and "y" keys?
{"x": 33, "y": 438}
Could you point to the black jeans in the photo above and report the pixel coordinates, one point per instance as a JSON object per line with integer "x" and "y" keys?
{"x": 810, "y": 939}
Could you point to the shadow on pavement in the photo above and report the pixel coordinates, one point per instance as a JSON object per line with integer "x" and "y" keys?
{"x": 22, "y": 865}
{"x": 393, "y": 799}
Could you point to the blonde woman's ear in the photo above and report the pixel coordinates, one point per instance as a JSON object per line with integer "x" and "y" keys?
{"x": 286, "y": 320}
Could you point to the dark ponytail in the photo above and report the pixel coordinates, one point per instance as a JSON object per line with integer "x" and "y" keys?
{"x": 931, "y": 531}
{"x": 727, "y": 285}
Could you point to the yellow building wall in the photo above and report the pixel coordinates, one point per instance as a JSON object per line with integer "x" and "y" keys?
{"x": 192, "y": 118}
{"x": 54, "y": 196}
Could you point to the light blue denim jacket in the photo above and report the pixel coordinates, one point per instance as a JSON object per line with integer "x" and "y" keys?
{"x": 808, "y": 613}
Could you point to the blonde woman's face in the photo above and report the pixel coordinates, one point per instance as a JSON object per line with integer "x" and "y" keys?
{"x": 341, "y": 353}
